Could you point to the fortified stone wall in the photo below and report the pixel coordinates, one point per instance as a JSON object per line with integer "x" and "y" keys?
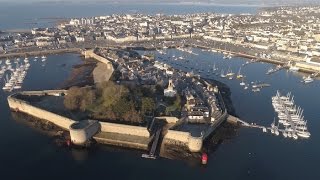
{"x": 45, "y": 93}
{"x": 65, "y": 123}
{"x": 193, "y": 143}
{"x": 25, "y": 107}
{"x": 124, "y": 129}
{"x": 168, "y": 119}
{"x": 91, "y": 54}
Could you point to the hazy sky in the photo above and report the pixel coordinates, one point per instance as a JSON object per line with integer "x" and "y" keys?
{"x": 212, "y": 1}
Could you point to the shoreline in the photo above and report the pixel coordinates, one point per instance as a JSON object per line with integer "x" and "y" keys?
{"x": 144, "y": 46}
{"x": 39, "y": 52}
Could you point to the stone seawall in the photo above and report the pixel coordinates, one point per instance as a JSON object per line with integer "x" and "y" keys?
{"x": 25, "y": 107}
{"x": 110, "y": 133}
{"x": 194, "y": 144}
{"x": 124, "y": 129}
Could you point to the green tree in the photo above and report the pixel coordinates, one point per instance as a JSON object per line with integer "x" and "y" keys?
{"x": 88, "y": 97}
{"x": 121, "y": 107}
{"x": 72, "y": 99}
{"x": 147, "y": 104}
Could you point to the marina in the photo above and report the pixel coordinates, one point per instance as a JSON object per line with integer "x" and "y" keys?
{"x": 14, "y": 73}
{"x": 289, "y": 122}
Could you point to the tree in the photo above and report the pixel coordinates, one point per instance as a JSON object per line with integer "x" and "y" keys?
{"x": 88, "y": 97}
{"x": 147, "y": 105}
{"x": 132, "y": 116}
{"x": 72, "y": 100}
{"x": 121, "y": 107}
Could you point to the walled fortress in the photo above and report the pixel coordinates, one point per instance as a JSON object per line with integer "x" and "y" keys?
{"x": 82, "y": 131}
{"x": 102, "y": 132}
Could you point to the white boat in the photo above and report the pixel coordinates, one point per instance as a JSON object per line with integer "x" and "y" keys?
{"x": 246, "y": 87}
{"x": 303, "y": 134}
{"x": 256, "y": 89}
{"x": 239, "y": 75}
{"x": 308, "y": 80}
{"x": 294, "y": 68}
{"x": 222, "y": 74}
{"x": 294, "y": 136}
{"x": 8, "y": 62}
{"x": 214, "y": 67}
{"x": 264, "y": 129}
{"x": 229, "y": 73}
{"x": 242, "y": 83}
{"x": 285, "y": 134}
{"x": 17, "y": 87}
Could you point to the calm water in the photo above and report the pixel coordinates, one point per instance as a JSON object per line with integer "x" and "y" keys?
{"x": 17, "y": 16}
{"x": 28, "y": 154}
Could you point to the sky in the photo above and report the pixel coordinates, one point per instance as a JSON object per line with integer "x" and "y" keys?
{"x": 258, "y": 2}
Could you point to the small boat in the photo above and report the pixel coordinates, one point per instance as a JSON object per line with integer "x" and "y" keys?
{"x": 256, "y": 89}
{"x": 308, "y": 80}
{"x": 239, "y": 75}
{"x": 8, "y": 62}
{"x": 222, "y": 74}
{"x": 264, "y": 129}
{"x": 242, "y": 83}
{"x": 214, "y": 67}
{"x": 304, "y": 134}
{"x": 294, "y": 68}
{"x": 229, "y": 72}
{"x": 285, "y": 134}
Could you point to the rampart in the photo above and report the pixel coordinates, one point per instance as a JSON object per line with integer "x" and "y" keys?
{"x": 194, "y": 144}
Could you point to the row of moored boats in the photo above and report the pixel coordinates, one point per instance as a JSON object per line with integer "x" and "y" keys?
{"x": 13, "y": 72}
{"x": 290, "y": 116}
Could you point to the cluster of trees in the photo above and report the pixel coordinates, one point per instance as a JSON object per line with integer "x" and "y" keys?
{"x": 79, "y": 98}
{"x": 110, "y": 101}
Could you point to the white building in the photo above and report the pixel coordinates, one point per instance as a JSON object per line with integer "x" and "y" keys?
{"x": 170, "y": 92}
